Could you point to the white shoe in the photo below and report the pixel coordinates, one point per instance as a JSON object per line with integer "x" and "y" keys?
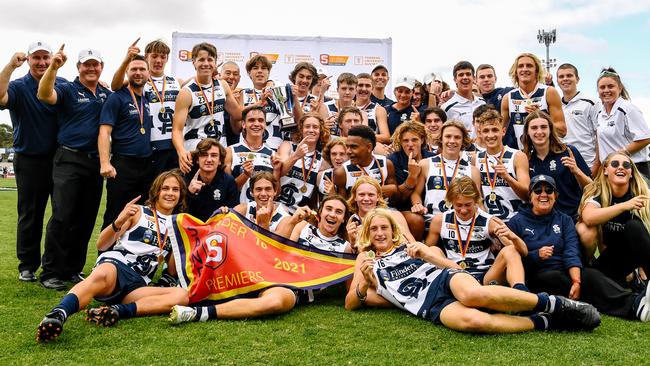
{"x": 643, "y": 312}
{"x": 182, "y": 314}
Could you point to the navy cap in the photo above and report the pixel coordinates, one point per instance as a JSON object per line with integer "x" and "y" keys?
{"x": 542, "y": 178}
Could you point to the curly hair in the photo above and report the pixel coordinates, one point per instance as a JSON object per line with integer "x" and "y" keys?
{"x": 323, "y": 136}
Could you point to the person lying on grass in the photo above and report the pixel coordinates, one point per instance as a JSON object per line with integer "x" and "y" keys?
{"x": 409, "y": 276}
{"x": 131, "y": 249}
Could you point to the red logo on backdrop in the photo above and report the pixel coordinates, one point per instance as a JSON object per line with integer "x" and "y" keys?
{"x": 210, "y": 252}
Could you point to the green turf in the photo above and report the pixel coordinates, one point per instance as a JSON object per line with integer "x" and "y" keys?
{"x": 319, "y": 334}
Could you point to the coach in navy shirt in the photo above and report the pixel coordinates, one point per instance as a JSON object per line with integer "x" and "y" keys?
{"x": 77, "y": 184}
{"x": 124, "y": 132}
{"x": 34, "y": 126}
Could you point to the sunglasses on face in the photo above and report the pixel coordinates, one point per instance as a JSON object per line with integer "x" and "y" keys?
{"x": 538, "y": 190}
{"x": 615, "y": 164}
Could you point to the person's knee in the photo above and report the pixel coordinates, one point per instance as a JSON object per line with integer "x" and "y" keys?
{"x": 180, "y": 296}
{"x": 278, "y": 304}
{"x": 474, "y": 297}
{"x": 510, "y": 254}
{"x": 473, "y": 321}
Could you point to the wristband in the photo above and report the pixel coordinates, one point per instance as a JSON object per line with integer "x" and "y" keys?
{"x": 361, "y": 297}
{"x": 114, "y": 227}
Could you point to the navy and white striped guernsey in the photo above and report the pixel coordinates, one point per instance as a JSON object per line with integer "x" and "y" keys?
{"x": 162, "y": 113}
{"x": 273, "y": 134}
{"x": 291, "y": 185}
{"x": 377, "y": 169}
{"x": 478, "y": 257}
{"x": 517, "y": 109}
{"x": 434, "y": 187}
{"x": 310, "y": 235}
{"x": 278, "y": 214}
{"x": 506, "y": 203}
{"x": 200, "y": 124}
{"x": 261, "y": 163}
{"x": 371, "y": 113}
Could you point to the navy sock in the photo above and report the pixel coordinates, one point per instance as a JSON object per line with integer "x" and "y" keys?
{"x": 539, "y": 321}
{"x": 205, "y": 313}
{"x": 69, "y": 304}
{"x": 126, "y": 311}
{"x": 542, "y": 302}
{"x": 521, "y": 287}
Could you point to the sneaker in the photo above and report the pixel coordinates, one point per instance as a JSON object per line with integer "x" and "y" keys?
{"x": 643, "y": 312}
{"x": 573, "y": 315}
{"x": 27, "y": 276}
{"x": 182, "y": 314}
{"x": 104, "y": 315}
{"x": 167, "y": 280}
{"x": 76, "y": 278}
{"x": 53, "y": 284}
{"x": 51, "y": 326}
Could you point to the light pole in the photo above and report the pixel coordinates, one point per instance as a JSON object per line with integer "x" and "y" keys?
{"x": 547, "y": 38}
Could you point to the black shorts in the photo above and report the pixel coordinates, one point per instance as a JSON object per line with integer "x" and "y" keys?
{"x": 126, "y": 282}
{"x": 443, "y": 295}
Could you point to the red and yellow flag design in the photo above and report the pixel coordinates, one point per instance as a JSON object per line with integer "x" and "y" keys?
{"x": 229, "y": 256}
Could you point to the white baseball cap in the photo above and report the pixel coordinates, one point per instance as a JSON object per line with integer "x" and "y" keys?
{"x": 38, "y": 46}
{"x": 90, "y": 54}
{"x": 406, "y": 81}
{"x": 428, "y": 78}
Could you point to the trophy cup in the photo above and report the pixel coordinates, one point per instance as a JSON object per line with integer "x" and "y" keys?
{"x": 283, "y": 100}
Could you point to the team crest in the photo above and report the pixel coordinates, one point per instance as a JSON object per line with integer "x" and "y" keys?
{"x": 552, "y": 165}
{"x": 216, "y": 194}
{"x": 556, "y": 229}
{"x": 210, "y": 252}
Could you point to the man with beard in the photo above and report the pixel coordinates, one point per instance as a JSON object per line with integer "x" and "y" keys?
{"x": 77, "y": 183}
{"x": 34, "y": 143}
{"x": 125, "y": 142}
{"x": 231, "y": 74}
{"x": 461, "y": 106}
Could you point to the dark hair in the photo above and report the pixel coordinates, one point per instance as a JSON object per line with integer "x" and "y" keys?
{"x": 483, "y": 67}
{"x": 482, "y": 109}
{"x": 264, "y": 175}
{"x": 364, "y": 75}
{"x": 204, "y": 46}
{"x": 555, "y": 144}
{"x": 347, "y": 78}
{"x": 461, "y": 65}
{"x": 569, "y": 66}
{"x": 365, "y": 133}
{"x": 438, "y": 111}
{"x": 202, "y": 149}
{"x": 346, "y": 110}
{"x": 157, "y": 46}
{"x": 609, "y": 72}
{"x": 258, "y": 59}
{"x": 250, "y": 108}
{"x": 156, "y": 187}
{"x": 336, "y": 197}
{"x": 138, "y": 58}
{"x": 304, "y": 66}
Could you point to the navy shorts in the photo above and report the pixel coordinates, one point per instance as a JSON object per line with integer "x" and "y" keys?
{"x": 443, "y": 295}
{"x": 126, "y": 282}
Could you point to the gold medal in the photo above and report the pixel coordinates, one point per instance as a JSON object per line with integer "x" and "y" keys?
{"x": 162, "y": 110}
{"x": 303, "y": 189}
{"x": 370, "y": 254}
{"x": 142, "y": 130}
{"x": 493, "y": 197}
{"x": 463, "y": 265}
{"x": 251, "y": 156}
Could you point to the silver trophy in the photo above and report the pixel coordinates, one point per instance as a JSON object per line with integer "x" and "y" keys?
{"x": 283, "y": 100}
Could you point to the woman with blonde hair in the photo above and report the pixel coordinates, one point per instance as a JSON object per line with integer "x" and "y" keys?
{"x": 411, "y": 277}
{"x": 615, "y": 216}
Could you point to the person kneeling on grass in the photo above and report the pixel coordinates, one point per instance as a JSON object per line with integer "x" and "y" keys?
{"x": 120, "y": 278}
{"x": 410, "y": 277}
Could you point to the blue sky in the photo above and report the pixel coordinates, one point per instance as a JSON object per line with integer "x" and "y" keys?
{"x": 426, "y": 36}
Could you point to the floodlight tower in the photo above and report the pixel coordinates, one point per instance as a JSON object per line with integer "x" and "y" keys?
{"x": 547, "y": 38}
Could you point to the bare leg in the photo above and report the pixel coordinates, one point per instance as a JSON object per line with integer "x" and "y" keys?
{"x": 401, "y": 221}
{"x": 588, "y": 238}
{"x": 156, "y": 300}
{"x": 504, "y": 299}
{"x": 415, "y": 224}
{"x": 276, "y": 300}
{"x": 459, "y": 317}
{"x": 507, "y": 267}
{"x": 100, "y": 282}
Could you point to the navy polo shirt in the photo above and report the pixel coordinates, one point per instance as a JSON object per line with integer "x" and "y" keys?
{"x": 34, "y": 122}
{"x": 222, "y": 191}
{"x": 382, "y": 102}
{"x": 568, "y": 187}
{"x": 401, "y": 163}
{"x": 78, "y": 116}
{"x": 120, "y": 112}
{"x": 397, "y": 116}
{"x": 495, "y": 96}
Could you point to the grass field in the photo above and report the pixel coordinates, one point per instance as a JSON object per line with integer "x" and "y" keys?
{"x": 319, "y": 334}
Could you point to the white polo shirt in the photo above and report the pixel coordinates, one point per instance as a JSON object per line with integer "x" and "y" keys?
{"x": 461, "y": 108}
{"x": 581, "y": 117}
{"x": 622, "y": 126}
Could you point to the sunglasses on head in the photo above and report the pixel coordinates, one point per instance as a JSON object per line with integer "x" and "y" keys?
{"x": 547, "y": 189}
{"x": 615, "y": 164}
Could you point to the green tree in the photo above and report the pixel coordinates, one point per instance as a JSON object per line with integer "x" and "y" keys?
{"x": 6, "y": 135}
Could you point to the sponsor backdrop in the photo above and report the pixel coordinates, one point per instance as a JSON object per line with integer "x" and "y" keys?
{"x": 333, "y": 55}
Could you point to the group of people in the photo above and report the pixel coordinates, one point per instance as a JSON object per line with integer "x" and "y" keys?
{"x": 519, "y": 200}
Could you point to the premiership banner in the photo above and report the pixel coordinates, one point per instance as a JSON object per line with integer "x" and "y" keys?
{"x": 333, "y": 55}
{"x": 229, "y": 256}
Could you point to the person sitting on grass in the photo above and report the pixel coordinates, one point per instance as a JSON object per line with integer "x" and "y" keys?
{"x": 410, "y": 277}
{"x": 132, "y": 246}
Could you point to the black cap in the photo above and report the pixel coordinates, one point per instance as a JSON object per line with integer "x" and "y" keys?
{"x": 542, "y": 178}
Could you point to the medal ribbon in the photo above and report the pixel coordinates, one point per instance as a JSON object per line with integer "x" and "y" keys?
{"x": 305, "y": 177}
{"x": 444, "y": 172}
{"x": 381, "y": 174}
{"x": 211, "y": 105}
{"x": 463, "y": 248}
{"x": 161, "y": 96}
{"x": 141, "y": 109}
{"x": 493, "y": 179}
{"x": 161, "y": 244}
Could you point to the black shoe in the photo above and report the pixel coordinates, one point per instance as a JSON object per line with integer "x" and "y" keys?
{"x": 76, "y": 278}
{"x": 53, "y": 284}
{"x": 105, "y": 315}
{"x": 27, "y": 276}
{"x": 51, "y": 326}
{"x": 573, "y": 315}
{"x": 167, "y": 280}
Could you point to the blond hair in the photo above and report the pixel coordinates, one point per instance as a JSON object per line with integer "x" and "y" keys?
{"x": 538, "y": 66}
{"x": 409, "y": 126}
{"x": 352, "y": 202}
{"x": 364, "y": 243}
{"x": 462, "y": 187}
